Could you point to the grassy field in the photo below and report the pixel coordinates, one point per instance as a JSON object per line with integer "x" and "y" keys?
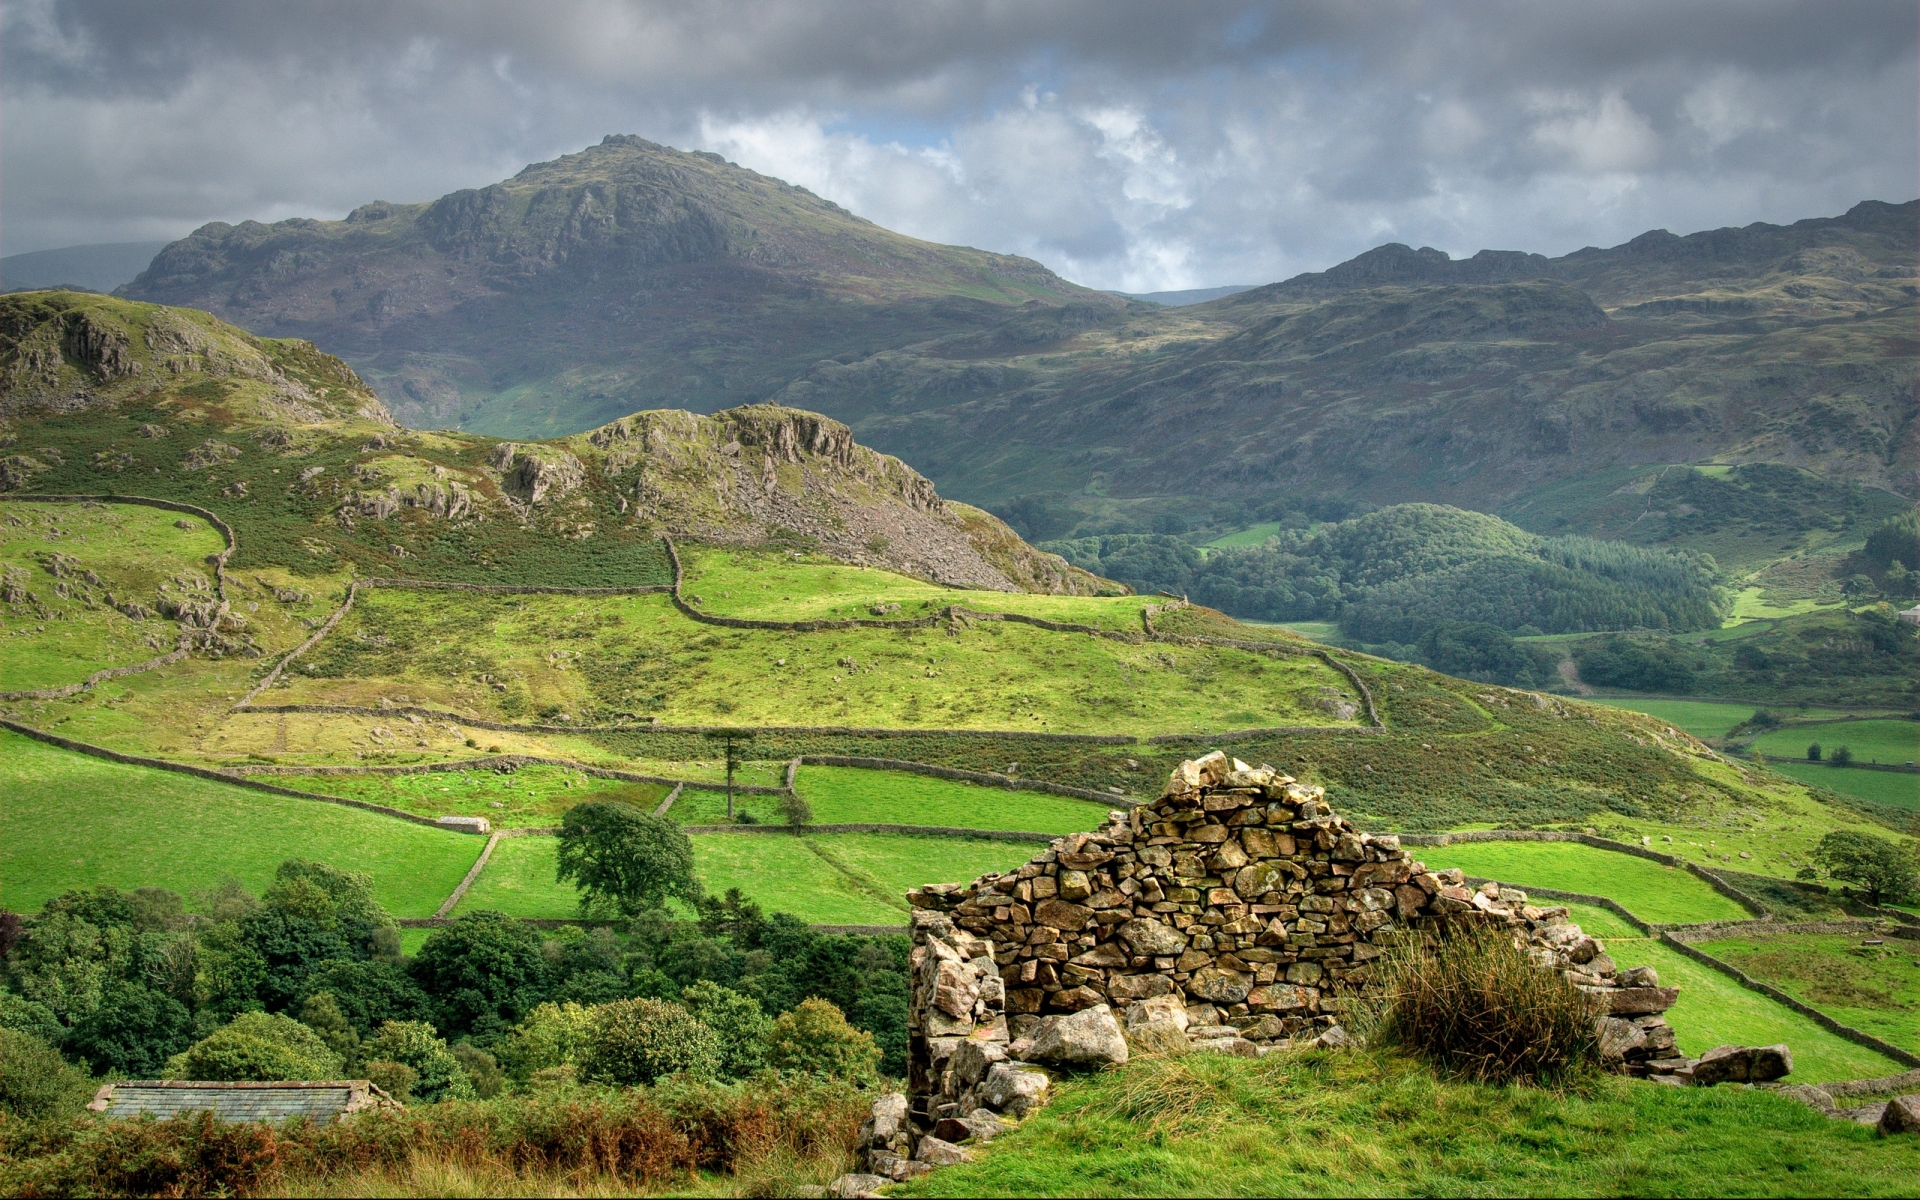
{"x": 131, "y": 549}
{"x": 827, "y": 879}
{"x": 526, "y": 796}
{"x": 846, "y": 795}
{"x": 1372, "y": 1124}
{"x": 1891, "y": 742}
{"x": 561, "y": 659}
{"x": 1715, "y": 1010}
{"x": 1662, "y": 895}
{"x": 1874, "y": 988}
{"x": 1883, "y": 787}
{"x": 1253, "y": 535}
{"x": 775, "y": 587}
{"x": 73, "y": 821}
{"x": 1705, "y": 719}
{"x": 1751, "y": 604}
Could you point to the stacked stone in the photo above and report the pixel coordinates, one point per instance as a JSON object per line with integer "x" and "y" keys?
{"x": 1231, "y": 915}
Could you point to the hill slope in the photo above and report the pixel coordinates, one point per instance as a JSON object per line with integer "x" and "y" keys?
{"x": 107, "y": 395}
{"x": 627, "y": 276}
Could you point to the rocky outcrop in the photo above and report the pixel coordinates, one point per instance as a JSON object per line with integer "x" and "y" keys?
{"x": 536, "y": 474}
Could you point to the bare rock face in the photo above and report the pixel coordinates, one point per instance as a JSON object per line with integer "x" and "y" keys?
{"x": 536, "y": 473}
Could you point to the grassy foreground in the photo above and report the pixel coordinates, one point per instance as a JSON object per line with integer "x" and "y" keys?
{"x": 72, "y": 821}
{"x": 1371, "y": 1124}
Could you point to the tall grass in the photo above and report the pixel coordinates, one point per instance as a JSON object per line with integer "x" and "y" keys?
{"x": 1473, "y": 1004}
{"x": 567, "y": 1141}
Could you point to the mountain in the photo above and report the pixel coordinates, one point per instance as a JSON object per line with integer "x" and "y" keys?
{"x": 100, "y": 394}
{"x": 627, "y": 276}
{"x": 101, "y": 267}
{"x": 634, "y": 276}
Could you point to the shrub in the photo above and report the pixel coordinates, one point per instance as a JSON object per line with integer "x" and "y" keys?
{"x": 1813, "y": 752}
{"x": 417, "y": 1045}
{"x": 258, "y": 1046}
{"x": 321, "y": 1013}
{"x": 640, "y": 1041}
{"x": 743, "y": 1029}
{"x": 815, "y": 1038}
{"x": 552, "y": 1036}
{"x": 1475, "y": 1005}
{"x": 34, "y": 1080}
{"x": 1842, "y": 756}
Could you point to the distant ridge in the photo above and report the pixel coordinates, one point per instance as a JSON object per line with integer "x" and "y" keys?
{"x": 1190, "y": 296}
{"x": 100, "y": 267}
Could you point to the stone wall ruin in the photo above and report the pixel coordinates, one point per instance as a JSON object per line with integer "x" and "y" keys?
{"x": 1236, "y": 913}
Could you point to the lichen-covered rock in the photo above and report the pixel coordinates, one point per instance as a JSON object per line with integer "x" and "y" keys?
{"x": 1088, "y": 1038}
{"x": 1014, "y": 1089}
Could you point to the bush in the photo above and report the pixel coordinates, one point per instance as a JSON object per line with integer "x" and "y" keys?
{"x": 417, "y": 1045}
{"x": 258, "y": 1046}
{"x": 1475, "y": 1005}
{"x": 640, "y": 1041}
{"x": 1842, "y": 756}
{"x": 1813, "y": 752}
{"x": 34, "y": 1080}
{"x": 483, "y": 1070}
{"x": 743, "y": 1029}
{"x": 552, "y": 1036}
{"x": 815, "y": 1038}
{"x": 29, "y": 1017}
{"x": 485, "y": 970}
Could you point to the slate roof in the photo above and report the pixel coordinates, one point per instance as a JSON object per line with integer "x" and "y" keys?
{"x": 318, "y": 1101}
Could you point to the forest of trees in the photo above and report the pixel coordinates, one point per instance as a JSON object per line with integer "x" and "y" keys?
{"x": 1396, "y": 574}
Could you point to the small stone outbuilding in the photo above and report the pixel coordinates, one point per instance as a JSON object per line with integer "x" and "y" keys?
{"x": 318, "y": 1101}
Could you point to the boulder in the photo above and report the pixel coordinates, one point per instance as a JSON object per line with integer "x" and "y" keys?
{"x": 888, "y": 1117}
{"x": 1014, "y": 1090}
{"x": 981, "y": 1125}
{"x": 1088, "y": 1038}
{"x": 1742, "y": 1064}
{"x": 1156, "y": 1009}
{"x": 1335, "y": 1038}
{"x": 1617, "y": 1037}
{"x": 973, "y": 1059}
{"x": 1638, "y": 1001}
{"x": 937, "y": 1152}
{"x": 848, "y": 1186}
{"x": 1902, "y": 1115}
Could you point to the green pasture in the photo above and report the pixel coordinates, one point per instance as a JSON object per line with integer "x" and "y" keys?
{"x": 775, "y": 587}
{"x": 1326, "y": 632}
{"x": 1654, "y": 893}
{"x": 848, "y": 796}
{"x": 1752, "y": 604}
{"x": 562, "y": 659}
{"x": 1372, "y": 1123}
{"x": 1892, "y": 742}
{"x": 1704, "y": 719}
{"x": 71, "y": 821}
{"x": 1252, "y": 535}
{"x": 1872, "y": 988}
{"x": 1715, "y": 1010}
{"x": 130, "y": 548}
{"x": 525, "y": 796}
{"x": 1898, "y": 788}
{"x": 826, "y": 879}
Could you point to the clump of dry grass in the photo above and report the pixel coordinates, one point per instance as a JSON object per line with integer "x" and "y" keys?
{"x": 1473, "y": 1004}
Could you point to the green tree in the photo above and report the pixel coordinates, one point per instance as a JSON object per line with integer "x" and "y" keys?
{"x": 626, "y": 859}
{"x": 815, "y": 1038}
{"x": 642, "y": 1041}
{"x": 417, "y": 1046}
{"x": 312, "y": 914}
{"x": 263, "y": 1047}
{"x": 485, "y": 971}
{"x": 370, "y": 992}
{"x": 34, "y": 1080}
{"x": 29, "y": 1017}
{"x": 1813, "y": 752}
{"x": 1878, "y": 867}
{"x": 132, "y": 1032}
{"x": 321, "y": 1013}
{"x": 797, "y": 812}
{"x": 1842, "y": 756}
{"x": 743, "y": 1029}
{"x": 553, "y": 1035}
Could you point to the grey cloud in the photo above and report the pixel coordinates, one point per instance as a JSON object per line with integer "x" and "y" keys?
{"x": 1129, "y": 144}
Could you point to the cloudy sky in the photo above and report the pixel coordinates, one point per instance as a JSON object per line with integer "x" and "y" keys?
{"x": 1136, "y": 146}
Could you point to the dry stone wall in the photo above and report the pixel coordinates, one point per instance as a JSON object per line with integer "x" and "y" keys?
{"x": 1236, "y": 913}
